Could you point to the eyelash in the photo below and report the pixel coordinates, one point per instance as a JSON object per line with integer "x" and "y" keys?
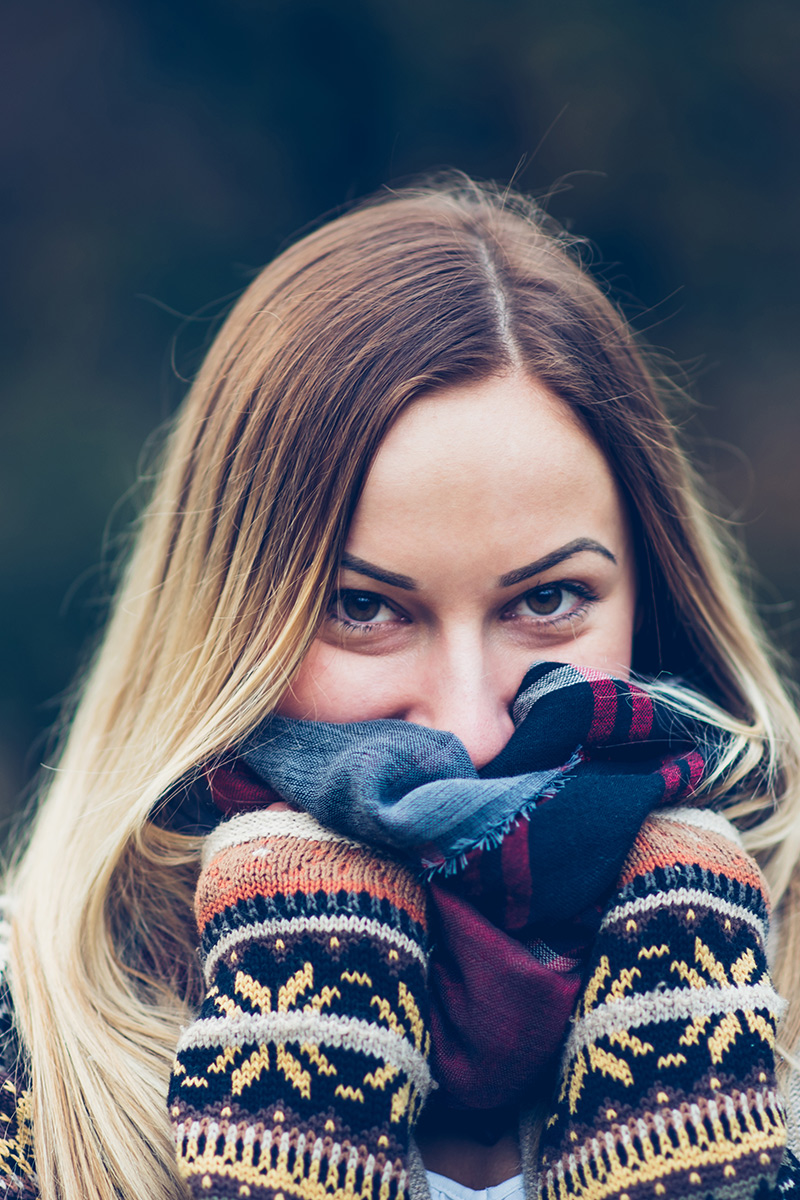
{"x": 357, "y": 626}
{"x": 586, "y": 596}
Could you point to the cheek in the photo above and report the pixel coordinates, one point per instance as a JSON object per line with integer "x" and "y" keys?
{"x": 611, "y": 653}
{"x": 338, "y": 685}
{"x": 334, "y": 685}
{"x": 608, "y": 646}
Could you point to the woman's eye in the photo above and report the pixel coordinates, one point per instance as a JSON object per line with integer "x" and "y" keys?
{"x": 546, "y": 601}
{"x": 360, "y": 608}
{"x": 553, "y": 600}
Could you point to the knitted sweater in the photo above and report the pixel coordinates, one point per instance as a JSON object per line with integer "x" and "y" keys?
{"x": 307, "y": 1066}
{"x": 305, "y": 1071}
{"x": 302, "y": 1077}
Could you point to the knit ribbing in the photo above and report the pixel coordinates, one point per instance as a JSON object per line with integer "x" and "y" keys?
{"x": 17, "y": 1167}
{"x": 305, "y": 1071}
{"x": 666, "y": 1086}
{"x": 307, "y": 1065}
{"x": 667, "y": 1083}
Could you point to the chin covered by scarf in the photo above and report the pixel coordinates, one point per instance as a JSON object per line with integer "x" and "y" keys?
{"x": 420, "y": 934}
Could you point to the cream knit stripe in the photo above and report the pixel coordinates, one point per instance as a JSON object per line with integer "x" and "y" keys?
{"x": 322, "y": 1029}
{"x": 268, "y": 823}
{"x": 700, "y": 818}
{"x": 233, "y": 1132}
{"x": 674, "y": 1004}
{"x": 279, "y": 1180}
{"x": 364, "y": 927}
{"x": 695, "y": 898}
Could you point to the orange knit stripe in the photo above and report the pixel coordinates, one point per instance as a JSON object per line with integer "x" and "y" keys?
{"x": 272, "y": 866}
{"x": 661, "y": 845}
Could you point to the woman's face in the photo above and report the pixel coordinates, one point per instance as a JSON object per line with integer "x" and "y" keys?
{"x": 490, "y": 534}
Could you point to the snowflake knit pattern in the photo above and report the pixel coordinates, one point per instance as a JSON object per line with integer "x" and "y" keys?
{"x": 307, "y": 1066}
{"x": 306, "y": 1069}
{"x": 667, "y": 1080}
{"x": 17, "y": 1168}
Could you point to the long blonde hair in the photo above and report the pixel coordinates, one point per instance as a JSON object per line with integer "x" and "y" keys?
{"x": 231, "y": 573}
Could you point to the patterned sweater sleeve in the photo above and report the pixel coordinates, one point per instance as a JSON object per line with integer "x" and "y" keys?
{"x": 17, "y": 1168}
{"x": 308, "y": 1063}
{"x": 667, "y": 1085}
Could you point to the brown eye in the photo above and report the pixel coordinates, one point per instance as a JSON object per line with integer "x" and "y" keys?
{"x": 544, "y": 601}
{"x": 360, "y": 606}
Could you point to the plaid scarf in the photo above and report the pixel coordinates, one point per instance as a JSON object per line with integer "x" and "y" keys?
{"x": 519, "y": 856}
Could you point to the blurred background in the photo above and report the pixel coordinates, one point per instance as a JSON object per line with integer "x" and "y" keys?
{"x": 155, "y": 153}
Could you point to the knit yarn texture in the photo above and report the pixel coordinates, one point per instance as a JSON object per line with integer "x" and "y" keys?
{"x": 349, "y": 984}
{"x": 520, "y": 855}
{"x": 307, "y": 1066}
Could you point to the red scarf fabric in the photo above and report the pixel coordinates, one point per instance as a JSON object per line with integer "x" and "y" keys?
{"x": 514, "y": 918}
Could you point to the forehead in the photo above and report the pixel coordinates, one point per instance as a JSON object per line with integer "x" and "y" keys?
{"x": 503, "y": 459}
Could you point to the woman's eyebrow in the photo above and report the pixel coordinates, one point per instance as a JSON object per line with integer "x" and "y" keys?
{"x": 578, "y": 546}
{"x": 351, "y": 563}
{"x": 393, "y": 578}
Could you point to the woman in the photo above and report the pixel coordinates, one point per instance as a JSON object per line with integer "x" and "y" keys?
{"x": 423, "y": 452}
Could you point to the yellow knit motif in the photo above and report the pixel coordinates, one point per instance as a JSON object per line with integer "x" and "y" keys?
{"x": 294, "y": 987}
{"x": 258, "y": 995}
{"x": 757, "y": 1024}
{"x": 744, "y": 967}
{"x": 411, "y": 1009}
{"x": 694, "y": 1030}
{"x": 720, "y": 1032}
{"x": 609, "y": 1064}
{"x": 250, "y": 1070}
{"x": 403, "y": 1017}
{"x": 320, "y": 1182}
{"x": 653, "y": 951}
{"x": 357, "y": 977}
{"x": 381, "y": 1076}
{"x": 629, "y": 1041}
{"x": 319, "y": 1060}
{"x": 606, "y": 1175}
{"x": 14, "y": 1151}
{"x": 726, "y": 1033}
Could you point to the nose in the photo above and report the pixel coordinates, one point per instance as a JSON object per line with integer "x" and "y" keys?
{"x": 462, "y": 690}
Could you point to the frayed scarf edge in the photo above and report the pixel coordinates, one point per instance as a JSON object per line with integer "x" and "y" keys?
{"x": 457, "y": 860}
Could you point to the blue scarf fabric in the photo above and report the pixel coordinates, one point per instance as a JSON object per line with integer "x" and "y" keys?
{"x": 519, "y": 856}
{"x": 590, "y": 757}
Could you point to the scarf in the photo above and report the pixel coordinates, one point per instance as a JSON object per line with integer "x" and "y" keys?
{"x": 519, "y": 856}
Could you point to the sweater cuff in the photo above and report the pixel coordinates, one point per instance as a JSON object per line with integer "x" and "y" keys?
{"x": 308, "y": 1063}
